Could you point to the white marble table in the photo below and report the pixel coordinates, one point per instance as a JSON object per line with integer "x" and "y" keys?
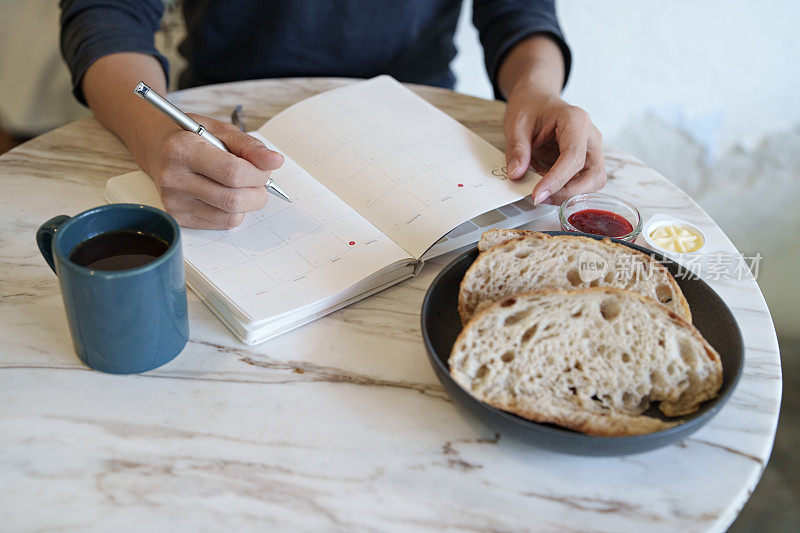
{"x": 339, "y": 425}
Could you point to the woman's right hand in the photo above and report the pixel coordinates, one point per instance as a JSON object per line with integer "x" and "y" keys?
{"x": 200, "y": 185}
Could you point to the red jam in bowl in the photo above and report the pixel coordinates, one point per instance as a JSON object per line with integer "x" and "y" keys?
{"x": 600, "y": 222}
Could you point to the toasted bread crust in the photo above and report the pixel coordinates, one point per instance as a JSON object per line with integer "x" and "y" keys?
{"x": 500, "y": 260}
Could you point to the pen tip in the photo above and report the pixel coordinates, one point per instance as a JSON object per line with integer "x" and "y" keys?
{"x": 277, "y": 191}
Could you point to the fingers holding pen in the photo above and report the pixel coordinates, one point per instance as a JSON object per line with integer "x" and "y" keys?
{"x": 204, "y": 187}
{"x": 211, "y": 192}
{"x": 225, "y": 168}
{"x": 195, "y": 214}
{"x": 247, "y": 147}
{"x": 199, "y": 183}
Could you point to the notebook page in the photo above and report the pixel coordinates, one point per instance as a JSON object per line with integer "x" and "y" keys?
{"x": 285, "y": 256}
{"x": 408, "y": 168}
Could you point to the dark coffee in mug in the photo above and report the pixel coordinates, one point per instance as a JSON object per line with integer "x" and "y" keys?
{"x": 127, "y": 312}
{"x": 119, "y": 250}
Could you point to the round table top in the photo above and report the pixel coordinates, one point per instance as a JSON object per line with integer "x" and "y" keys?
{"x": 340, "y": 424}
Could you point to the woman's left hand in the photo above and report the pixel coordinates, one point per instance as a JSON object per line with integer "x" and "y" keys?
{"x": 557, "y": 139}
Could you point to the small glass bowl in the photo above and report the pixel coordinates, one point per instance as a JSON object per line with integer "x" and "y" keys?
{"x": 605, "y": 202}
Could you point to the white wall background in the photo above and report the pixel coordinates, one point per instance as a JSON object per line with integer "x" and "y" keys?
{"x": 35, "y": 86}
{"x": 708, "y": 93}
{"x": 726, "y": 70}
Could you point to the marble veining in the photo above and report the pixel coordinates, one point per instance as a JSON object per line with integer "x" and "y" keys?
{"x": 339, "y": 425}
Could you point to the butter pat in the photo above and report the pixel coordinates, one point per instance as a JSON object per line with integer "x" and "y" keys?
{"x": 677, "y": 238}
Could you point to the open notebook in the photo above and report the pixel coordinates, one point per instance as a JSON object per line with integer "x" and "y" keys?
{"x": 381, "y": 181}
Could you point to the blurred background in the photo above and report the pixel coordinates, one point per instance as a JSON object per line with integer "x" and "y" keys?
{"x": 706, "y": 92}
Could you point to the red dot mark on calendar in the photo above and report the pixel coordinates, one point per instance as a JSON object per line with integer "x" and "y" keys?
{"x": 460, "y": 184}
{"x": 352, "y": 243}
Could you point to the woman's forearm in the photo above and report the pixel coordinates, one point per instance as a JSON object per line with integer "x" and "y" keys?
{"x": 108, "y": 87}
{"x": 535, "y": 62}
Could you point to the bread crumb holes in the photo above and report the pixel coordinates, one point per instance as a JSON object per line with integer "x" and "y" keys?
{"x": 629, "y": 399}
{"x": 610, "y": 309}
{"x": 529, "y": 333}
{"x": 663, "y": 293}
{"x": 516, "y": 317}
{"x": 574, "y": 277}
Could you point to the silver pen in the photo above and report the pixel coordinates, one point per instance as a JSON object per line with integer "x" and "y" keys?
{"x": 184, "y": 121}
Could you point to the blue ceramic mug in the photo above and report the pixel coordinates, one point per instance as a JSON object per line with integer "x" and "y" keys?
{"x": 121, "y": 321}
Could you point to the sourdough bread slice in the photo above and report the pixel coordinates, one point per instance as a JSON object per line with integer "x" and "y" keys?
{"x": 591, "y": 360}
{"x": 495, "y": 236}
{"x": 538, "y": 261}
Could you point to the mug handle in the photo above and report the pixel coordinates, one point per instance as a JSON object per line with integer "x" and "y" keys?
{"x": 44, "y": 238}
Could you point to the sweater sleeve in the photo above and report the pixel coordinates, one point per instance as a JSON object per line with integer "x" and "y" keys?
{"x": 91, "y": 29}
{"x": 504, "y": 23}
